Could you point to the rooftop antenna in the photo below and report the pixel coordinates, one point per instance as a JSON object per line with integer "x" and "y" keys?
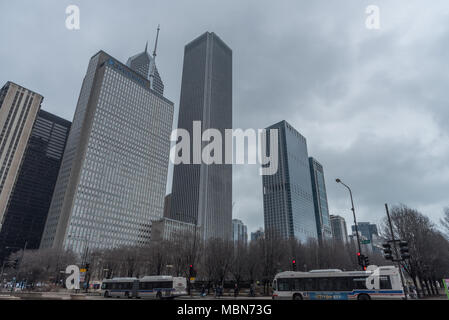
{"x": 157, "y": 37}
{"x": 146, "y": 47}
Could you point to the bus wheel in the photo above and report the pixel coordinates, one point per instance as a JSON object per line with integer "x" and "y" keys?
{"x": 159, "y": 295}
{"x": 363, "y": 297}
{"x": 106, "y": 294}
{"x": 127, "y": 295}
{"x": 297, "y": 296}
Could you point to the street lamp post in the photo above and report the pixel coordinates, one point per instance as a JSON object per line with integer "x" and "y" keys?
{"x": 353, "y": 212}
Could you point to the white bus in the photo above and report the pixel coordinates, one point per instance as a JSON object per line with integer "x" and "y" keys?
{"x": 120, "y": 287}
{"x": 161, "y": 287}
{"x": 334, "y": 284}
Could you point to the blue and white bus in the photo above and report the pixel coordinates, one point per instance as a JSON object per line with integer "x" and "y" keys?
{"x": 334, "y": 284}
{"x": 160, "y": 287}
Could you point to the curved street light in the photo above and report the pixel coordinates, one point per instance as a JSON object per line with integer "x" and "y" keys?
{"x": 353, "y": 212}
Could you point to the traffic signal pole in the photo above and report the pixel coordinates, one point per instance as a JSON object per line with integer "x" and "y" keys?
{"x": 396, "y": 251}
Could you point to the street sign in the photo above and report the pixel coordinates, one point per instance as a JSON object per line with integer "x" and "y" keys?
{"x": 366, "y": 241}
{"x": 192, "y": 279}
{"x": 83, "y": 270}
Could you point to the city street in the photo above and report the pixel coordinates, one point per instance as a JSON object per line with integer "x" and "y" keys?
{"x": 230, "y": 153}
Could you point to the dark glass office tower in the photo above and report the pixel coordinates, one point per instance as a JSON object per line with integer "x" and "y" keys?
{"x": 201, "y": 193}
{"x": 25, "y": 217}
{"x": 287, "y": 195}
{"x": 320, "y": 200}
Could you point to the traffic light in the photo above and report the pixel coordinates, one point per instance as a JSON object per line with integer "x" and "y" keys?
{"x": 360, "y": 259}
{"x": 294, "y": 265}
{"x": 87, "y": 266}
{"x": 192, "y": 272}
{"x": 403, "y": 248}
{"x": 366, "y": 262}
{"x": 388, "y": 254}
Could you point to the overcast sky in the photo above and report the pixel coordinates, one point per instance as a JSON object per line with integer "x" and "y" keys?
{"x": 373, "y": 104}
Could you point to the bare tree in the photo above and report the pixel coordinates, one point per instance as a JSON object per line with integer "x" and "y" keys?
{"x": 239, "y": 263}
{"x": 217, "y": 259}
{"x": 445, "y": 222}
{"x": 424, "y": 243}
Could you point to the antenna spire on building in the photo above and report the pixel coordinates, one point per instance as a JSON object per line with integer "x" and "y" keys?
{"x": 157, "y": 38}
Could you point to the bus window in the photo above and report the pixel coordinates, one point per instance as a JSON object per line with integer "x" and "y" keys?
{"x": 359, "y": 283}
{"x": 309, "y": 284}
{"x": 146, "y": 285}
{"x": 298, "y": 285}
{"x": 341, "y": 284}
{"x": 284, "y": 285}
{"x": 325, "y": 284}
{"x": 385, "y": 282}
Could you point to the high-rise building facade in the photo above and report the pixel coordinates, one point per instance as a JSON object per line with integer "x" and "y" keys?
{"x": 18, "y": 111}
{"x": 259, "y": 234}
{"x": 173, "y": 230}
{"x": 27, "y": 210}
{"x": 239, "y": 232}
{"x": 323, "y": 224}
{"x": 367, "y": 230}
{"x": 339, "y": 229}
{"x": 201, "y": 193}
{"x": 287, "y": 195}
{"x": 111, "y": 185}
{"x": 167, "y": 204}
{"x": 145, "y": 65}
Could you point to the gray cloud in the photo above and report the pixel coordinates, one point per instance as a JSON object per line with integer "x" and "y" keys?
{"x": 372, "y": 104}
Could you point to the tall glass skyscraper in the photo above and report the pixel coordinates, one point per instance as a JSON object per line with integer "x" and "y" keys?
{"x": 27, "y": 210}
{"x": 287, "y": 195}
{"x": 239, "y": 232}
{"x": 111, "y": 185}
{"x": 202, "y": 194}
{"x": 320, "y": 200}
